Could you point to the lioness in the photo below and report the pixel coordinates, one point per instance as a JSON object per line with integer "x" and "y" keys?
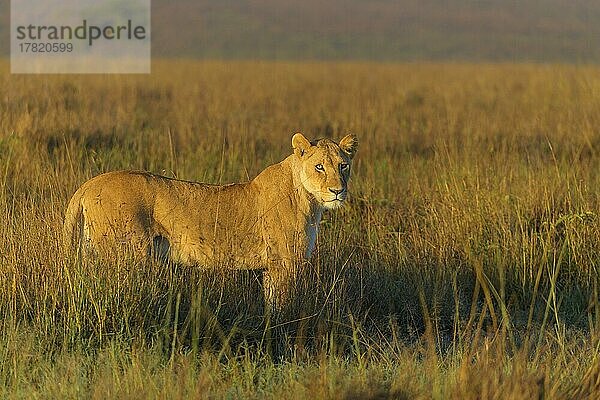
{"x": 269, "y": 223}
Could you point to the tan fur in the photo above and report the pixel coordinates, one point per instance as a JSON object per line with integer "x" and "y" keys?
{"x": 268, "y": 223}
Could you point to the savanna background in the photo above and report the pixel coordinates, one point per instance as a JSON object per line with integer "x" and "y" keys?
{"x": 465, "y": 264}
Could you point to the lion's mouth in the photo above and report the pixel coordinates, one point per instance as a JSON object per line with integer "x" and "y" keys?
{"x": 333, "y": 203}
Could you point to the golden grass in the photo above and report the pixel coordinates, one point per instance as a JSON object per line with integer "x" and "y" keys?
{"x": 464, "y": 266}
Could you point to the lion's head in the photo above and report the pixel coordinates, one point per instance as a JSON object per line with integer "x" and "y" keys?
{"x": 325, "y": 167}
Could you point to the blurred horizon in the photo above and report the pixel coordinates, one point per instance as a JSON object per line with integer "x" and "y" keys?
{"x": 380, "y": 30}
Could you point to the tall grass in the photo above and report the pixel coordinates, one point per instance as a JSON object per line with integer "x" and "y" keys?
{"x": 465, "y": 264}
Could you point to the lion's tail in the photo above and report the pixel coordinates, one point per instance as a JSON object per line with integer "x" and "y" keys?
{"x": 73, "y": 225}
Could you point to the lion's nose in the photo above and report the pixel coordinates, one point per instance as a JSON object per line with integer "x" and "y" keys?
{"x": 336, "y": 191}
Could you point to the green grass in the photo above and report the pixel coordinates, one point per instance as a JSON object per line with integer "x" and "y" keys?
{"x": 465, "y": 264}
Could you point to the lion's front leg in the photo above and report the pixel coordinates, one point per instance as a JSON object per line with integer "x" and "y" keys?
{"x": 280, "y": 277}
{"x": 278, "y": 281}
{"x": 285, "y": 250}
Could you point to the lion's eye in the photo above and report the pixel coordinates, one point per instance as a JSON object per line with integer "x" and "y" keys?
{"x": 319, "y": 167}
{"x": 344, "y": 167}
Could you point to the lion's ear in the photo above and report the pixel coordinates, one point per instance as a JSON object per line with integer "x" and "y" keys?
{"x": 349, "y": 144}
{"x": 300, "y": 144}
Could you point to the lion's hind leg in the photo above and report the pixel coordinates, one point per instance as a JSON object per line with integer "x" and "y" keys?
{"x": 117, "y": 239}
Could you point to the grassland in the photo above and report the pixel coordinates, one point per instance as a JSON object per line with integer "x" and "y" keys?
{"x": 465, "y": 265}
